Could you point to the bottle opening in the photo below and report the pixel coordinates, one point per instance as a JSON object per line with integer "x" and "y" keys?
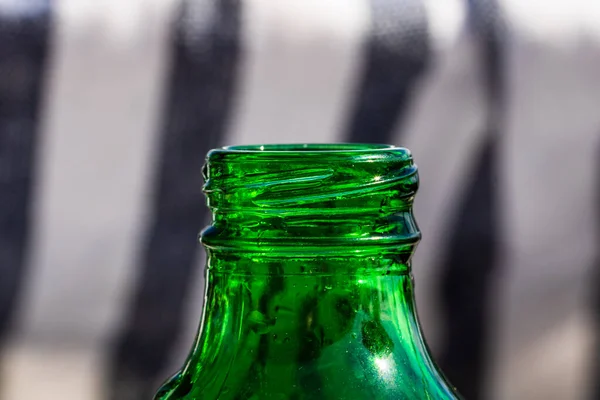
{"x": 311, "y": 197}
{"x": 309, "y": 147}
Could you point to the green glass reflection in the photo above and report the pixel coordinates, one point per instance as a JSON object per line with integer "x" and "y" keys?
{"x": 309, "y": 285}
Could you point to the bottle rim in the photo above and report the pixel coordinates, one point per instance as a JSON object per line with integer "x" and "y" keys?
{"x": 304, "y": 148}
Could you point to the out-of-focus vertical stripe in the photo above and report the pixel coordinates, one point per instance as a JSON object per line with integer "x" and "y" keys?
{"x": 444, "y": 130}
{"x": 594, "y": 289}
{"x": 95, "y": 161}
{"x": 196, "y": 113}
{"x": 396, "y": 52}
{"x": 473, "y": 246}
{"x": 466, "y": 277}
{"x": 22, "y": 78}
{"x": 24, "y": 48}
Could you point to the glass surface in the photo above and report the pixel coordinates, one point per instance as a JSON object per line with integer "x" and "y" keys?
{"x": 309, "y": 285}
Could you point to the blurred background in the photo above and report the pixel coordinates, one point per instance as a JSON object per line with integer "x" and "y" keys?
{"x": 107, "y": 109}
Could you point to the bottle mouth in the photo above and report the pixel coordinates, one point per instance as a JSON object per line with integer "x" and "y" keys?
{"x": 322, "y": 151}
{"x": 314, "y": 195}
{"x": 311, "y": 148}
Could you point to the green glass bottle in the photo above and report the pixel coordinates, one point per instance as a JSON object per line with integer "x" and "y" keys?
{"x": 309, "y": 286}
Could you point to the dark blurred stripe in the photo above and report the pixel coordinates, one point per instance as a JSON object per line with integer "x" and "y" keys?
{"x": 201, "y": 91}
{"x": 24, "y": 46}
{"x": 397, "y": 53}
{"x": 466, "y": 278}
{"x": 468, "y": 272}
{"x": 595, "y": 288}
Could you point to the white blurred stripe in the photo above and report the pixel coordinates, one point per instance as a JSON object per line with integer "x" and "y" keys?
{"x": 560, "y": 24}
{"x": 443, "y": 130}
{"x": 302, "y": 59}
{"x": 96, "y": 159}
{"x": 33, "y": 372}
{"x": 446, "y": 21}
{"x": 549, "y": 181}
